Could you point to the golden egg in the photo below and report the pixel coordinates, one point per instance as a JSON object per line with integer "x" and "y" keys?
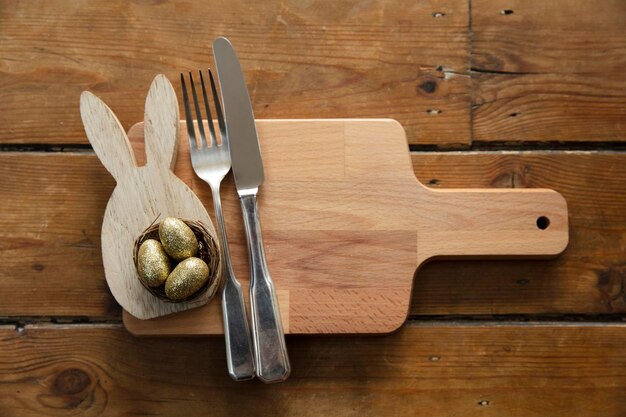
{"x": 177, "y": 238}
{"x": 153, "y": 264}
{"x": 187, "y": 278}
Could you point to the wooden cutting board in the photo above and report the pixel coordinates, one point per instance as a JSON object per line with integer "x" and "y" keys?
{"x": 346, "y": 225}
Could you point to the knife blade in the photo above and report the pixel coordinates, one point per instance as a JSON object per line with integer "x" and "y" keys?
{"x": 244, "y": 142}
{"x": 271, "y": 358}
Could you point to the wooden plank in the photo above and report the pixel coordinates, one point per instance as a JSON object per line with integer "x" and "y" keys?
{"x": 588, "y": 278}
{"x": 554, "y": 71}
{"x": 427, "y": 370}
{"x": 52, "y": 207}
{"x": 52, "y": 263}
{"x": 302, "y": 60}
{"x": 575, "y": 36}
{"x": 549, "y": 107}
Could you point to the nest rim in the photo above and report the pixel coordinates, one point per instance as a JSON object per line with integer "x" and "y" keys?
{"x": 208, "y": 251}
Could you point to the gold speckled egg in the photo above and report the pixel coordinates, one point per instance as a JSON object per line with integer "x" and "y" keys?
{"x": 187, "y": 278}
{"x": 153, "y": 264}
{"x": 177, "y": 238}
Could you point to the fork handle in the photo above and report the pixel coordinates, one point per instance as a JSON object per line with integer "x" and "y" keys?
{"x": 239, "y": 358}
{"x": 272, "y": 361}
{"x": 237, "y": 333}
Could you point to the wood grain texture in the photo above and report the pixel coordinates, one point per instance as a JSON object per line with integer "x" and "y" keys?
{"x": 429, "y": 370}
{"x": 343, "y": 254}
{"x": 548, "y": 71}
{"x": 143, "y": 195}
{"x": 309, "y": 59}
{"x": 52, "y": 263}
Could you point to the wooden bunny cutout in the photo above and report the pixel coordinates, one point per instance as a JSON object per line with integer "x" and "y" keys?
{"x": 142, "y": 193}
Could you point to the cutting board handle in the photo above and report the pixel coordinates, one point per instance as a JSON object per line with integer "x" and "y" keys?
{"x": 486, "y": 222}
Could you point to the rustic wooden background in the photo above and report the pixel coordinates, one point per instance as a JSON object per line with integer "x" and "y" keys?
{"x": 515, "y": 93}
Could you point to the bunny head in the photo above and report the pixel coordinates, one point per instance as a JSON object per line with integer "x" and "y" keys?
{"x": 142, "y": 194}
{"x": 110, "y": 142}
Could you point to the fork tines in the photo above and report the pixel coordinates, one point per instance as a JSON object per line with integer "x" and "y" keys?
{"x": 193, "y": 142}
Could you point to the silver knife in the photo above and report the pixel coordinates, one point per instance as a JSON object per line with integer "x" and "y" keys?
{"x": 272, "y": 361}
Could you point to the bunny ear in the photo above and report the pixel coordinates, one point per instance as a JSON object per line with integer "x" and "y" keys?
{"x": 161, "y": 123}
{"x": 106, "y": 135}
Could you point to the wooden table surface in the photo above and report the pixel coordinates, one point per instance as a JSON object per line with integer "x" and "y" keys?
{"x": 517, "y": 93}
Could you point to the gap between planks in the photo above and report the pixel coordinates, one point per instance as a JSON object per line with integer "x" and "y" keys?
{"x": 475, "y": 147}
{"x": 20, "y": 324}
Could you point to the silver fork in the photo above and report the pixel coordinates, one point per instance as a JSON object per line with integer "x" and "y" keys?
{"x": 211, "y": 162}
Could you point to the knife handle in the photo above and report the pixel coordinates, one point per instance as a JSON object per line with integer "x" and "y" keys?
{"x": 272, "y": 361}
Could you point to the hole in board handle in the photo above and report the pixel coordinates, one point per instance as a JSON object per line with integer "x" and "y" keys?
{"x": 543, "y": 222}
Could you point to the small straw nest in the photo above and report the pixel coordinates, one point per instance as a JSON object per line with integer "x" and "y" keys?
{"x": 208, "y": 251}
